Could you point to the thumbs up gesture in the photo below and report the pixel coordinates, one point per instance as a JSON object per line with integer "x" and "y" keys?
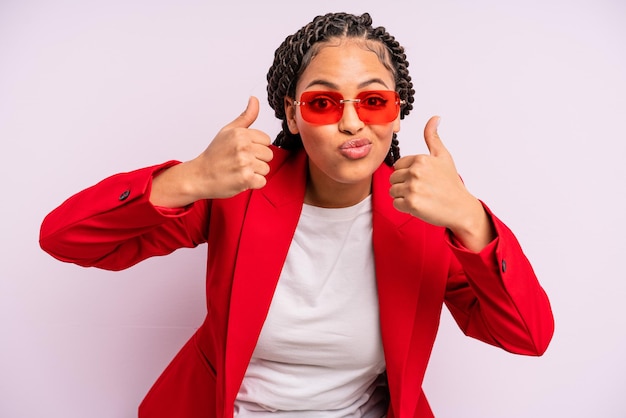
{"x": 428, "y": 187}
{"x": 236, "y": 160}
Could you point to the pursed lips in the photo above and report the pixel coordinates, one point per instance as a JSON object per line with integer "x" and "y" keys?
{"x": 356, "y": 148}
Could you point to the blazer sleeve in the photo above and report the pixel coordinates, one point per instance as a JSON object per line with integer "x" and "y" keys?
{"x": 495, "y": 296}
{"x": 112, "y": 225}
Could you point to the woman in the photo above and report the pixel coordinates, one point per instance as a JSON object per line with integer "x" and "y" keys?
{"x": 329, "y": 256}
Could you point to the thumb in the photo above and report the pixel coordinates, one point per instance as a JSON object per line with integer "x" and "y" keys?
{"x": 432, "y": 139}
{"x": 248, "y": 116}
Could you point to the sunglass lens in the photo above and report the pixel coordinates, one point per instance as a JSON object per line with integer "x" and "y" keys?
{"x": 321, "y": 107}
{"x": 378, "y": 106}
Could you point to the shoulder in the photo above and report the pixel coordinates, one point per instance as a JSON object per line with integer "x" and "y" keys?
{"x": 383, "y": 170}
{"x": 286, "y": 160}
{"x": 279, "y": 156}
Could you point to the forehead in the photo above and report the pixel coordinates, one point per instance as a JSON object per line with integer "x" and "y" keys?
{"x": 348, "y": 63}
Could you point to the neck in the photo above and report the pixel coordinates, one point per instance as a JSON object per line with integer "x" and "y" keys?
{"x": 337, "y": 195}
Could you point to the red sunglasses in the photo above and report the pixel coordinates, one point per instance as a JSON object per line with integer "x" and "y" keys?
{"x": 372, "y": 106}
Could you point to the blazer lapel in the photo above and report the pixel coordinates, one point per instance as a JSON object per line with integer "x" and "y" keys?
{"x": 268, "y": 229}
{"x": 398, "y": 241}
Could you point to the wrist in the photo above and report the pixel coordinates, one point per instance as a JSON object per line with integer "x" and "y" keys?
{"x": 172, "y": 188}
{"x": 475, "y": 230}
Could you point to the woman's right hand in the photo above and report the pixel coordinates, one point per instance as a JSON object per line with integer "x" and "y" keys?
{"x": 236, "y": 160}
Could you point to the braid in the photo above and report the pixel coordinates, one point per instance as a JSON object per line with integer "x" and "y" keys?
{"x": 295, "y": 53}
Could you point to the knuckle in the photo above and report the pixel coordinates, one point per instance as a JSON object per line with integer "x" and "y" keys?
{"x": 241, "y": 159}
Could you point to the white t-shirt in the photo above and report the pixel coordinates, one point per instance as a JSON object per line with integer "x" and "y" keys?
{"x": 320, "y": 352}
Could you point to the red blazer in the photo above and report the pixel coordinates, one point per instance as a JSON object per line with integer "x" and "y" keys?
{"x": 493, "y": 295}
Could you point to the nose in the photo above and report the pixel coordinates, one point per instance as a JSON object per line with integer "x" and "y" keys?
{"x": 350, "y": 121}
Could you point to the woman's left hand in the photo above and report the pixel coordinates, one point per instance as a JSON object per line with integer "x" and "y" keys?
{"x": 428, "y": 187}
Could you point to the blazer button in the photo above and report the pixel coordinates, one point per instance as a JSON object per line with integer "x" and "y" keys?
{"x": 124, "y": 195}
{"x": 503, "y": 266}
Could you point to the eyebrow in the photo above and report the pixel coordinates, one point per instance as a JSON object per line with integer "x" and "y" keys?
{"x": 334, "y": 86}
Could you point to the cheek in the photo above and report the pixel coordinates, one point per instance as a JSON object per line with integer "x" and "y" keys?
{"x": 315, "y": 136}
{"x": 384, "y": 134}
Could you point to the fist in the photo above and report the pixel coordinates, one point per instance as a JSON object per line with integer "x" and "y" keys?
{"x": 428, "y": 186}
{"x": 237, "y": 158}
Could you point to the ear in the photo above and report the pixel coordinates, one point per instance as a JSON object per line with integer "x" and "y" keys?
{"x": 396, "y": 125}
{"x": 290, "y": 115}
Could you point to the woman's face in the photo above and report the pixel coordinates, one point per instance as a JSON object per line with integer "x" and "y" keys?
{"x": 343, "y": 155}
